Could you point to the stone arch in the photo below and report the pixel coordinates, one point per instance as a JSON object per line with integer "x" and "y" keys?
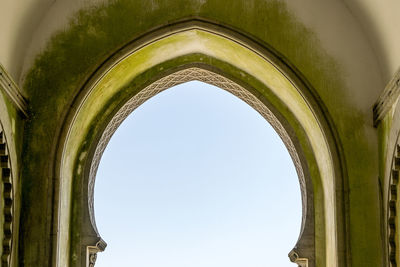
{"x": 220, "y": 53}
{"x": 202, "y": 74}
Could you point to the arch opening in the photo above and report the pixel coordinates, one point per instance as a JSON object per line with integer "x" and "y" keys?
{"x": 152, "y": 64}
{"x": 242, "y": 206}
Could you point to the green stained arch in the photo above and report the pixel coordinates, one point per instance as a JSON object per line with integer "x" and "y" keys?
{"x": 141, "y": 63}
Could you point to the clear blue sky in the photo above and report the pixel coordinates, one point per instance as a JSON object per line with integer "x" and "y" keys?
{"x": 196, "y": 178}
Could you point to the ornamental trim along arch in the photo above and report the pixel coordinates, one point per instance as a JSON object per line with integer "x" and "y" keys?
{"x": 8, "y": 200}
{"x": 393, "y": 208}
{"x": 183, "y": 76}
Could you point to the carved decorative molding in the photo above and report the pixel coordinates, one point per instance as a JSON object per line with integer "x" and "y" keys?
{"x": 392, "y": 218}
{"x": 294, "y": 257}
{"x": 92, "y": 252}
{"x": 387, "y": 99}
{"x": 12, "y": 91}
{"x": 180, "y": 77}
{"x": 8, "y": 200}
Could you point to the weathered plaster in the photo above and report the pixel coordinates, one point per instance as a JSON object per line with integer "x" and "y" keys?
{"x": 18, "y": 21}
{"x": 73, "y": 54}
{"x": 380, "y": 23}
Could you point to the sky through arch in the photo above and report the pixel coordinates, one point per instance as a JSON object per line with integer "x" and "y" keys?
{"x": 195, "y": 177}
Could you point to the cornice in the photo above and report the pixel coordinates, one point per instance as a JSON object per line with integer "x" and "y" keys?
{"x": 387, "y": 98}
{"x": 9, "y": 87}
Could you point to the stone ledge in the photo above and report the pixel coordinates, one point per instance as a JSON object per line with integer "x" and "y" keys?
{"x": 12, "y": 91}
{"x": 387, "y": 98}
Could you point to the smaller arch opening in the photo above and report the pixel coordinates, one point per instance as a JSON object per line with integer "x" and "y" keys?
{"x": 197, "y": 177}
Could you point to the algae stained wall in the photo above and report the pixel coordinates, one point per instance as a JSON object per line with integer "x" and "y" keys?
{"x": 94, "y": 33}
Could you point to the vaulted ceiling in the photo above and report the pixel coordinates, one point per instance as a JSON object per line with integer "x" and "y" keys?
{"x": 360, "y": 34}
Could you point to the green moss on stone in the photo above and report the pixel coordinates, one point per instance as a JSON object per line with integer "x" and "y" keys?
{"x": 94, "y": 34}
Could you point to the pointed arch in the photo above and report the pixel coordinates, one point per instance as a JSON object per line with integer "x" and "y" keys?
{"x": 207, "y": 52}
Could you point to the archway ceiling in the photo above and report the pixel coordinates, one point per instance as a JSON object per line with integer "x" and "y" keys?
{"x": 27, "y": 25}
